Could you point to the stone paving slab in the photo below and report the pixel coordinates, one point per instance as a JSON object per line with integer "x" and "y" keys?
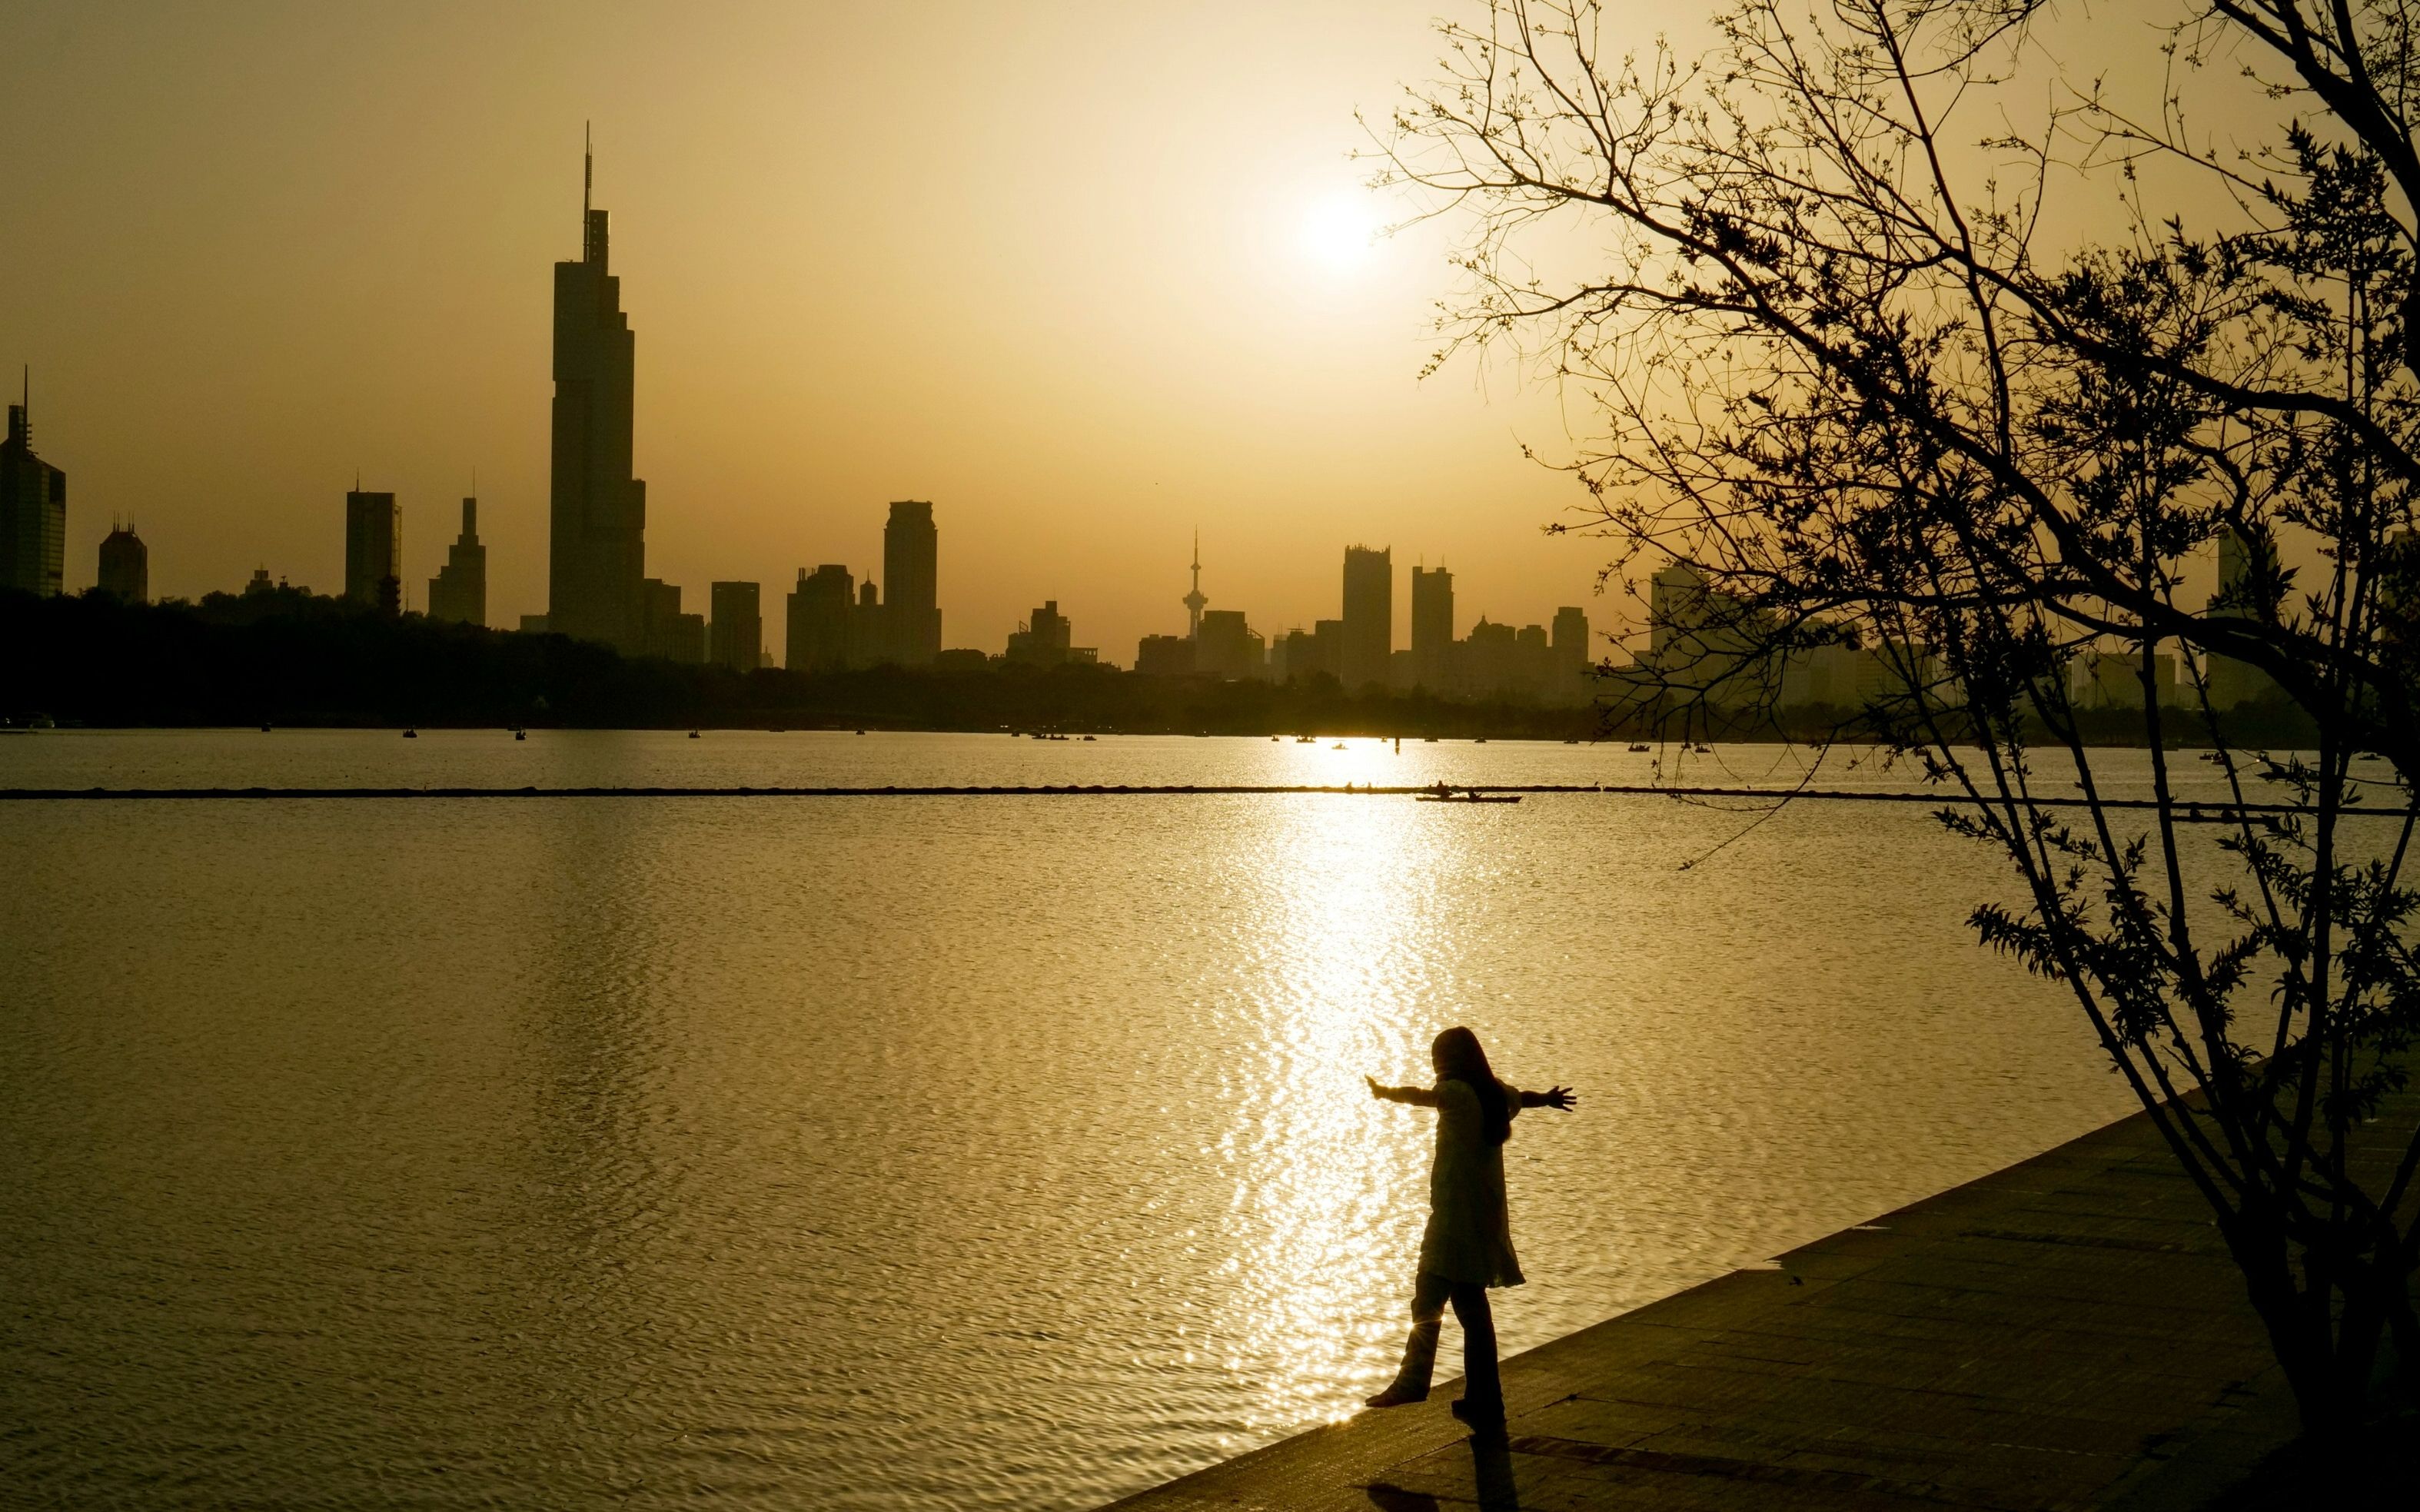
{"x": 2065, "y": 1334}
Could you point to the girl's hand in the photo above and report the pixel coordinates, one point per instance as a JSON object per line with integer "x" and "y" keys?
{"x": 1561, "y": 1096}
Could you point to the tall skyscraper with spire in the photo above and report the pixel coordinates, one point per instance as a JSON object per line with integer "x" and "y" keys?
{"x": 460, "y": 590}
{"x": 33, "y": 508}
{"x": 597, "y": 547}
{"x": 1195, "y": 602}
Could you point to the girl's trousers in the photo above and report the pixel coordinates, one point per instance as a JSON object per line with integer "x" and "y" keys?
{"x": 1482, "y": 1388}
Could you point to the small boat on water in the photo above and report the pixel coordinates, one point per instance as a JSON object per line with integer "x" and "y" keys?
{"x": 1096, "y": 737}
{"x": 518, "y": 734}
{"x": 1339, "y": 745}
{"x": 1638, "y": 746}
{"x": 1306, "y": 740}
{"x": 411, "y": 735}
{"x": 693, "y": 734}
{"x": 1447, "y": 794}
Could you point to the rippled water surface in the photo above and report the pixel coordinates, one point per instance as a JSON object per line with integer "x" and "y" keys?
{"x": 902, "y": 1153}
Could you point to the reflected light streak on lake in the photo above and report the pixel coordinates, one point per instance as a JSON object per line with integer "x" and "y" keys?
{"x": 1321, "y": 1167}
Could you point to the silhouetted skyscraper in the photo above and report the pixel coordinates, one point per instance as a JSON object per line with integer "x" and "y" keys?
{"x": 125, "y": 565}
{"x": 1432, "y": 629}
{"x": 33, "y": 509}
{"x": 1369, "y": 616}
{"x": 374, "y": 550}
{"x": 1044, "y": 640}
{"x": 1572, "y": 637}
{"x": 2248, "y": 578}
{"x": 1163, "y": 656}
{"x": 1327, "y": 648}
{"x": 736, "y": 628}
{"x": 911, "y": 561}
{"x": 664, "y": 631}
{"x": 596, "y": 547}
{"x": 460, "y": 590}
{"x": 1225, "y": 646}
{"x": 824, "y": 631}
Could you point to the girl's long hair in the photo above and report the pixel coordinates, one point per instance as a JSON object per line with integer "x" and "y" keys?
{"x": 1460, "y": 1059}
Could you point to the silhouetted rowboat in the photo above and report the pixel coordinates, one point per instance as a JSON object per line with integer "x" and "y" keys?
{"x": 1469, "y": 797}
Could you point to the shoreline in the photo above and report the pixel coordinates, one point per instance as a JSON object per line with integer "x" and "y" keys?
{"x": 2066, "y": 1331}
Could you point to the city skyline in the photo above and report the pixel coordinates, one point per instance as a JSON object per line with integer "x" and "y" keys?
{"x": 1269, "y": 395}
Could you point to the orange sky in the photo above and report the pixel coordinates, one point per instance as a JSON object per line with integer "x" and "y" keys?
{"x": 1086, "y": 275}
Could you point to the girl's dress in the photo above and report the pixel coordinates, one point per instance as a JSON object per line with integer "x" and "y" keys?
{"x": 1469, "y": 1236}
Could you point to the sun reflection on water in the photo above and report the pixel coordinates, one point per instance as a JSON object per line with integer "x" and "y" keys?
{"x": 1329, "y": 1186}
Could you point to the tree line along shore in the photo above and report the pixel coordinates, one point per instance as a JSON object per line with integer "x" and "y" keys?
{"x": 295, "y": 659}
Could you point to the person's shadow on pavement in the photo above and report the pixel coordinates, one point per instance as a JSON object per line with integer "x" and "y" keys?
{"x": 1491, "y": 1470}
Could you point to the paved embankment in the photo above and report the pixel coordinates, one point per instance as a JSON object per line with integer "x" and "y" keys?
{"x": 2068, "y": 1333}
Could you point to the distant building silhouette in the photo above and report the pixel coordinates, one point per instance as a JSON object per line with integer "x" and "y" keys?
{"x": 1491, "y": 659}
{"x": 1572, "y": 641}
{"x": 2114, "y": 680}
{"x": 1227, "y": 647}
{"x": 736, "y": 631}
{"x": 1043, "y": 641}
{"x": 1369, "y": 616}
{"x": 664, "y": 631}
{"x": 259, "y": 584}
{"x": 460, "y": 590}
{"x": 33, "y": 509}
{"x": 1163, "y": 656}
{"x": 824, "y": 631}
{"x": 1291, "y": 655}
{"x": 2249, "y": 580}
{"x": 125, "y": 565}
{"x": 1698, "y": 637}
{"x": 1432, "y": 629}
{"x": 910, "y": 560}
{"x": 1328, "y": 647}
{"x": 597, "y": 512}
{"x": 374, "y": 550}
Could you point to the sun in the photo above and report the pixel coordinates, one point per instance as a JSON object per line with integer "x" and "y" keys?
{"x": 1339, "y": 232}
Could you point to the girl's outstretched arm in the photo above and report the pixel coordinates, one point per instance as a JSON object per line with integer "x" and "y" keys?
{"x": 1561, "y": 1096}
{"x": 1418, "y": 1096}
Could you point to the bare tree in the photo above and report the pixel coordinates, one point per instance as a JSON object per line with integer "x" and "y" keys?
{"x": 1847, "y": 381}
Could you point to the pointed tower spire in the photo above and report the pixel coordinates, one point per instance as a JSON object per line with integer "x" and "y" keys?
{"x": 1194, "y": 601}
{"x": 587, "y": 176}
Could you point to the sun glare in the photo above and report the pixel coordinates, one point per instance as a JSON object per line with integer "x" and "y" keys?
{"x": 1339, "y": 232}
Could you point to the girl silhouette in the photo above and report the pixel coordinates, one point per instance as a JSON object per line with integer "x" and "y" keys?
{"x": 1468, "y": 1245}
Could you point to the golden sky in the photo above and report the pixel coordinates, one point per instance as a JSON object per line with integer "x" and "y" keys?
{"x": 1086, "y": 275}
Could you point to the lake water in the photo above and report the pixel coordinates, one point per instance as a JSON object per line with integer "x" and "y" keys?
{"x": 904, "y": 1152}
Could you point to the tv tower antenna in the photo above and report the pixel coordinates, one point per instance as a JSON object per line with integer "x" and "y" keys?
{"x": 1194, "y": 601}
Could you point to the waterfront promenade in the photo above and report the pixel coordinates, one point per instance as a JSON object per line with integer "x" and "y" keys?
{"x": 2068, "y": 1333}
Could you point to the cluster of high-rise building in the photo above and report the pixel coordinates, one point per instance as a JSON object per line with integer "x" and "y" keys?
{"x": 1704, "y": 645}
{"x": 598, "y": 588}
{"x": 1358, "y": 647}
{"x": 836, "y": 623}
